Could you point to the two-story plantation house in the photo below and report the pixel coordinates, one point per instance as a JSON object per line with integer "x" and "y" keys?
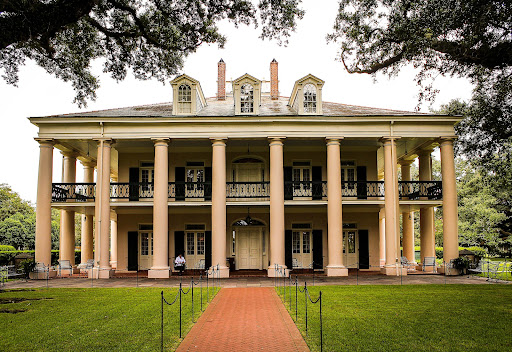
{"x": 246, "y": 180}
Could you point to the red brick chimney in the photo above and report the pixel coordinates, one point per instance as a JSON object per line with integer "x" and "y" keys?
{"x": 274, "y": 81}
{"x": 221, "y": 80}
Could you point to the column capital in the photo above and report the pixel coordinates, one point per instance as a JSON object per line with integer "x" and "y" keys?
{"x": 49, "y": 142}
{"x": 425, "y": 152}
{"x": 405, "y": 162}
{"x": 69, "y": 153}
{"x": 218, "y": 141}
{"x": 276, "y": 140}
{"x": 388, "y": 139}
{"x": 88, "y": 163}
{"x": 106, "y": 141}
{"x": 333, "y": 140}
{"x": 447, "y": 139}
{"x": 161, "y": 141}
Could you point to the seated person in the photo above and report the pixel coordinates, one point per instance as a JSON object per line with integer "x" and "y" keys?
{"x": 179, "y": 263}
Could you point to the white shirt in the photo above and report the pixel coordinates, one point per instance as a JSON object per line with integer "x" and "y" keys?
{"x": 179, "y": 261}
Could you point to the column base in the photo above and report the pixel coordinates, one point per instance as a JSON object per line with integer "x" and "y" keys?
{"x": 223, "y": 273}
{"x": 336, "y": 271}
{"x": 113, "y": 264}
{"x": 448, "y": 271}
{"x": 42, "y": 275}
{"x": 159, "y": 273}
{"x": 382, "y": 263}
{"x": 272, "y": 272}
{"x": 394, "y": 271}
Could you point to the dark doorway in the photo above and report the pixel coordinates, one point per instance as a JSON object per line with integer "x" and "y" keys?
{"x": 133, "y": 253}
{"x": 318, "y": 258}
{"x": 364, "y": 252}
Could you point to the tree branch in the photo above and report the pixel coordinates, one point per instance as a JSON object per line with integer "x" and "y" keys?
{"x": 374, "y": 67}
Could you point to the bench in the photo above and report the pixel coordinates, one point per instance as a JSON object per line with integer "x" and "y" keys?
{"x": 407, "y": 264}
{"x": 429, "y": 261}
{"x": 65, "y": 266}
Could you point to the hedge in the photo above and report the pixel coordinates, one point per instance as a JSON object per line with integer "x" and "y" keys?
{"x": 6, "y": 247}
{"x": 7, "y": 257}
{"x": 479, "y": 251}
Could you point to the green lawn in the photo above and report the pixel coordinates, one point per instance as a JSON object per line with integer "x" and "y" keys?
{"x": 93, "y": 319}
{"x": 409, "y": 318}
{"x": 504, "y": 270}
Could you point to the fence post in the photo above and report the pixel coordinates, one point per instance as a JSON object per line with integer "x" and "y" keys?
{"x": 321, "y": 325}
{"x": 162, "y": 323}
{"x": 201, "y": 289}
{"x": 192, "y": 287}
{"x": 180, "y": 308}
{"x": 207, "y": 288}
{"x": 306, "y": 304}
{"x": 296, "y": 287}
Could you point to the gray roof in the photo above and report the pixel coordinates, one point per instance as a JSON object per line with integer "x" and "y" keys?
{"x": 225, "y": 108}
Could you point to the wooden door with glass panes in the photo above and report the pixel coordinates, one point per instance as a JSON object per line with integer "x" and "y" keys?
{"x": 195, "y": 182}
{"x": 195, "y": 249}
{"x": 348, "y": 176}
{"x": 248, "y": 241}
{"x": 350, "y": 248}
{"x": 301, "y": 246}
{"x": 147, "y": 175}
{"x": 301, "y": 177}
{"x": 145, "y": 249}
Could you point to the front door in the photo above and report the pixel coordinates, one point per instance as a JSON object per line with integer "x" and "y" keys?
{"x": 249, "y": 248}
{"x": 145, "y": 250}
{"x": 350, "y": 248}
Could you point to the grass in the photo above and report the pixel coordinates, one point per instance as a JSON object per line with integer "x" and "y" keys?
{"x": 408, "y": 318}
{"x": 93, "y": 319}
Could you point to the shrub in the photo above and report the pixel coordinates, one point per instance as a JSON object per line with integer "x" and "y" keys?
{"x": 27, "y": 266}
{"x": 6, "y": 257}
{"x": 6, "y": 247}
{"x": 439, "y": 252}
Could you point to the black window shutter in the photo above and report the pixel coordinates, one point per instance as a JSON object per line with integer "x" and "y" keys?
{"x": 133, "y": 250}
{"x": 318, "y": 258}
{"x": 207, "y": 249}
{"x": 317, "y": 182}
{"x": 208, "y": 183}
{"x": 133, "y": 187}
{"x": 364, "y": 252}
{"x": 288, "y": 185}
{"x": 361, "y": 182}
{"x": 287, "y": 249}
{"x": 179, "y": 243}
{"x": 179, "y": 177}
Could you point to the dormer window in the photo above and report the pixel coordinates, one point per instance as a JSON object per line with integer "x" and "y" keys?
{"x": 309, "y": 99}
{"x": 247, "y": 98}
{"x": 247, "y": 95}
{"x": 184, "y": 99}
{"x": 188, "y": 98}
{"x": 306, "y": 97}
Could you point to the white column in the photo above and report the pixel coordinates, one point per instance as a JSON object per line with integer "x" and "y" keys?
{"x": 450, "y": 215}
{"x": 382, "y": 237}
{"x": 44, "y": 202}
{"x": 113, "y": 243}
{"x": 160, "y": 268}
{"x": 87, "y": 219}
{"x": 391, "y": 205}
{"x": 427, "y": 229}
{"x": 277, "y": 245}
{"x": 103, "y": 209}
{"x": 407, "y": 218}
{"x": 219, "y": 205}
{"x": 334, "y": 210}
{"x": 67, "y": 231}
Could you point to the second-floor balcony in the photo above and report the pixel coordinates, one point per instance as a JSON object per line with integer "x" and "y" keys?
{"x": 240, "y": 191}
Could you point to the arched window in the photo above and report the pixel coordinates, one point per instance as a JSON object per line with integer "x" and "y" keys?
{"x": 309, "y": 98}
{"x": 247, "y": 99}
{"x": 184, "y": 99}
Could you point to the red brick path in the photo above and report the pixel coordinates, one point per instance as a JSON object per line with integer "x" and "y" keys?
{"x": 244, "y": 319}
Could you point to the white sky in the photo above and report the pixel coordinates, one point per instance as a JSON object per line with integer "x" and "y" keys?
{"x": 40, "y": 94}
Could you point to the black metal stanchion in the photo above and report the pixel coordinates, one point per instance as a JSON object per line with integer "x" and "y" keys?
{"x": 207, "y": 287}
{"x": 357, "y": 274}
{"x": 296, "y": 288}
{"x": 444, "y": 264}
{"x": 321, "y": 324}
{"x": 162, "y": 323}
{"x": 192, "y": 288}
{"x": 181, "y": 290}
{"x": 137, "y": 274}
{"x": 201, "y": 289}
{"x": 306, "y": 304}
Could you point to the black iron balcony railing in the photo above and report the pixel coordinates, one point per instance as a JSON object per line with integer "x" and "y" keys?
{"x": 362, "y": 189}
{"x": 414, "y": 190}
{"x": 131, "y": 190}
{"x": 80, "y": 192}
{"x": 244, "y": 190}
{"x": 181, "y": 190}
{"x": 315, "y": 190}
{"x": 305, "y": 189}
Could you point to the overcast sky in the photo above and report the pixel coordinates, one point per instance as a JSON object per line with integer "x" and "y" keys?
{"x": 40, "y": 94}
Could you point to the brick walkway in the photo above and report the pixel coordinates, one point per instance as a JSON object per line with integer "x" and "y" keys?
{"x": 244, "y": 319}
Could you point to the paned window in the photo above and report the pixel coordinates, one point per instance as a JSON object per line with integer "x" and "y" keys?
{"x": 306, "y": 245}
{"x": 184, "y": 99}
{"x": 309, "y": 98}
{"x": 247, "y": 99}
{"x": 144, "y": 243}
{"x": 190, "y": 243}
{"x": 296, "y": 242}
{"x": 200, "y": 243}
